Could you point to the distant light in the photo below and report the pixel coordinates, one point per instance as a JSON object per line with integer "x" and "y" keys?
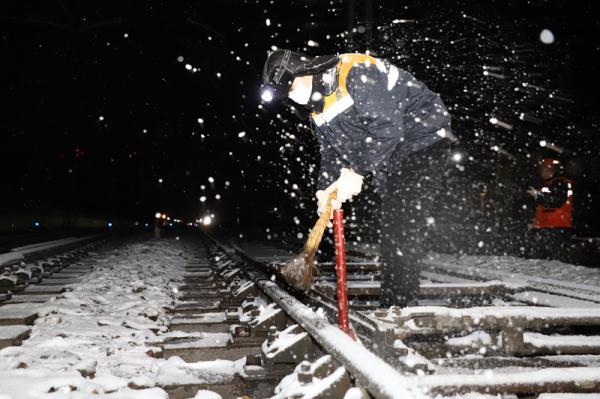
{"x": 493, "y": 121}
{"x": 157, "y": 215}
{"x": 211, "y": 179}
{"x": 125, "y": 35}
{"x": 218, "y": 196}
{"x": 267, "y": 95}
{"x": 36, "y": 224}
{"x": 203, "y": 198}
{"x": 145, "y": 224}
{"x": 188, "y": 67}
{"x": 206, "y": 220}
{"x": 219, "y": 75}
{"x": 100, "y": 118}
{"x": 543, "y": 143}
{"x": 163, "y": 216}
{"x": 546, "y": 36}
{"x": 495, "y": 148}
{"x": 180, "y": 58}
{"x": 312, "y": 43}
{"x": 170, "y": 224}
{"x": 457, "y": 157}
{"x": 160, "y": 180}
{"x": 268, "y": 22}
{"x": 241, "y": 134}
{"x": 109, "y": 224}
{"x": 200, "y": 120}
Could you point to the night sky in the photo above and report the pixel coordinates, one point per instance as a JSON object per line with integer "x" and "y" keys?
{"x": 121, "y": 109}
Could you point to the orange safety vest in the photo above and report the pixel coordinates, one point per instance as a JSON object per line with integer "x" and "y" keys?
{"x": 554, "y": 218}
{"x": 341, "y": 95}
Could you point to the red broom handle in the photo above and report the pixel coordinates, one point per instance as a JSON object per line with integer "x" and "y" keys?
{"x": 340, "y": 268}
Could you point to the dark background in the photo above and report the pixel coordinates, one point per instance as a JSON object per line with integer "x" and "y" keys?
{"x": 97, "y": 106}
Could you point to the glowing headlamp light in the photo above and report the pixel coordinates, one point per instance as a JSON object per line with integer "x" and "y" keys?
{"x": 267, "y": 94}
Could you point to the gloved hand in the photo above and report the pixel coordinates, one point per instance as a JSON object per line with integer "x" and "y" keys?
{"x": 347, "y": 185}
{"x": 323, "y": 195}
{"x": 533, "y": 192}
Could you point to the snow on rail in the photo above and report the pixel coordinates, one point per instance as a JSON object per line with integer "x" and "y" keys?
{"x": 489, "y": 377}
{"x": 526, "y": 312}
{"x": 379, "y": 377}
{"x": 558, "y": 341}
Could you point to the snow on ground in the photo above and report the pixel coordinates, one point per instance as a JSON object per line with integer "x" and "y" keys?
{"x": 544, "y": 270}
{"x": 98, "y": 339}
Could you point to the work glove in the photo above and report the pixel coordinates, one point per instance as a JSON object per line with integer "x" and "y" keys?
{"x": 533, "y": 192}
{"x": 347, "y": 185}
{"x": 323, "y": 196}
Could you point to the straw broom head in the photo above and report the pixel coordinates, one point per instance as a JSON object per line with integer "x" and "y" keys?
{"x": 302, "y": 269}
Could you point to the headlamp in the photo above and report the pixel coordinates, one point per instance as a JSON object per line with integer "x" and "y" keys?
{"x": 266, "y": 94}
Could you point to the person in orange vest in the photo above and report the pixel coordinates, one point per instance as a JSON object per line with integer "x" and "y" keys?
{"x": 553, "y": 222}
{"x": 373, "y": 118}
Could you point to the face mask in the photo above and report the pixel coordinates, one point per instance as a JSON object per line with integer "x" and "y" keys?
{"x": 301, "y": 94}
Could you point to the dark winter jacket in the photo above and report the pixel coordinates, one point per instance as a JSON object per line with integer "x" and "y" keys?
{"x": 376, "y": 117}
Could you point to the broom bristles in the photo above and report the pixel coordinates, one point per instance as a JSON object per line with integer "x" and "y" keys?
{"x": 301, "y": 270}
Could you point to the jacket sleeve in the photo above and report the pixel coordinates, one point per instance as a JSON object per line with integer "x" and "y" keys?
{"x": 424, "y": 111}
{"x": 329, "y": 168}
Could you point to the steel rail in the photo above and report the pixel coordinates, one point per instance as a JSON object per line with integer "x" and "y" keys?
{"x": 371, "y": 372}
{"x": 378, "y": 377}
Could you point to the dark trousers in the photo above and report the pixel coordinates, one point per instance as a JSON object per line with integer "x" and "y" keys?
{"x": 551, "y": 244}
{"x": 408, "y": 221}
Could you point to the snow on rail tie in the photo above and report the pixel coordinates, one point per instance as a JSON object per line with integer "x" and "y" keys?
{"x": 19, "y": 254}
{"x": 96, "y": 339}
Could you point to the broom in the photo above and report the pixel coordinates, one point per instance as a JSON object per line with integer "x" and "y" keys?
{"x": 300, "y": 270}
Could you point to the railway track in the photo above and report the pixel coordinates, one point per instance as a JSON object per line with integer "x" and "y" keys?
{"x": 33, "y": 274}
{"x": 240, "y": 332}
{"x": 290, "y": 349}
{"x": 475, "y": 331}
